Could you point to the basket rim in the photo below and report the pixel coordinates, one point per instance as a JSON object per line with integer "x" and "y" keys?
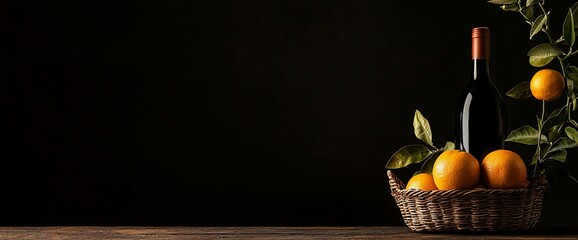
{"x": 537, "y": 184}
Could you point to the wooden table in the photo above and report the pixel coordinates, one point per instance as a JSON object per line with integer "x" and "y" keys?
{"x": 257, "y": 233}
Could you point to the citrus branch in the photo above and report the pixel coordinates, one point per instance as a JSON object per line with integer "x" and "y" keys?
{"x": 539, "y": 148}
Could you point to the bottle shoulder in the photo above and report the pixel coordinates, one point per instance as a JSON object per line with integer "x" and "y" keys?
{"x": 480, "y": 91}
{"x": 485, "y": 84}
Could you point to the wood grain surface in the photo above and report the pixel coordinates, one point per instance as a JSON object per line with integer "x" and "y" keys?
{"x": 258, "y": 233}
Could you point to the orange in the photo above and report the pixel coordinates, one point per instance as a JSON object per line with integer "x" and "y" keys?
{"x": 504, "y": 169}
{"x": 547, "y": 85}
{"x": 422, "y": 181}
{"x": 455, "y": 169}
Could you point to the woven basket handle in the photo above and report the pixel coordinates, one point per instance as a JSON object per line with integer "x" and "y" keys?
{"x": 394, "y": 183}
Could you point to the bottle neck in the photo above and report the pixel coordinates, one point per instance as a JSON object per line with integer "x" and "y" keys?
{"x": 481, "y": 69}
{"x": 481, "y": 53}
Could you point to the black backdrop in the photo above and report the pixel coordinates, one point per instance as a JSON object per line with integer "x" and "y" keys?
{"x": 236, "y": 112}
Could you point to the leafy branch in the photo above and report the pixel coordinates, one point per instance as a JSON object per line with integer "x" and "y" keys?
{"x": 551, "y": 144}
{"x": 418, "y": 153}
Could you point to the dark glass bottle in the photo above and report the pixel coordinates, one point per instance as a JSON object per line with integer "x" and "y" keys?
{"x": 481, "y": 115}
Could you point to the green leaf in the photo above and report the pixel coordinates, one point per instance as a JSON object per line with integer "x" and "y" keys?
{"x": 542, "y": 54}
{"x": 572, "y": 69}
{"x": 427, "y": 167}
{"x": 500, "y": 2}
{"x": 449, "y": 146}
{"x": 575, "y": 14}
{"x": 571, "y": 133}
{"x": 520, "y": 91}
{"x": 556, "y": 117}
{"x": 554, "y": 134}
{"x": 539, "y": 61}
{"x": 538, "y": 25}
{"x": 562, "y": 143}
{"x": 568, "y": 29}
{"x": 421, "y": 128}
{"x": 528, "y": 13}
{"x": 559, "y": 155}
{"x": 531, "y": 3}
{"x": 407, "y": 155}
{"x": 526, "y": 135}
{"x": 572, "y": 75}
{"x": 510, "y": 7}
{"x": 534, "y": 160}
{"x": 535, "y": 157}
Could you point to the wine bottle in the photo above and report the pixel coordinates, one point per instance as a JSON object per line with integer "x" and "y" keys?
{"x": 481, "y": 115}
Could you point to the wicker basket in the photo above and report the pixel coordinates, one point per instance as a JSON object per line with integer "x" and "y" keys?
{"x": 469, "y": 210}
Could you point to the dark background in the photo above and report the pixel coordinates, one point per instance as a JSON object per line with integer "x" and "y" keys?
{"x": 237, "y": 112}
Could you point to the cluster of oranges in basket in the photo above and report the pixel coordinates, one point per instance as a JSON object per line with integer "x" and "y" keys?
{"x": 453, "y": 169}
